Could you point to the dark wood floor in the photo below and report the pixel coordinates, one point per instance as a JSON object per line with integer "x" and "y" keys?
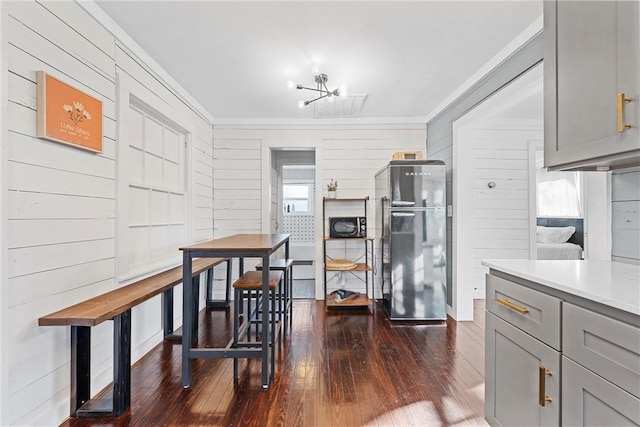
{"x": 342, "y": 368}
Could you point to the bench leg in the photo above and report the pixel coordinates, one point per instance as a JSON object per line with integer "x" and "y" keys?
{"x": 81, "y": 403}
{"x": 209, "y": 301}
{"x": 212, "y": 303}
{"x": 167, "y": 315}
{"x": 80, "y": 367}
{"x": 121, "y": 362}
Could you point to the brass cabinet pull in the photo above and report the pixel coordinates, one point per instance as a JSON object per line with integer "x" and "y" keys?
{"x": 512, "y": 306}
{"x": 542, "y": 398}
{"x": 622, "y": 100}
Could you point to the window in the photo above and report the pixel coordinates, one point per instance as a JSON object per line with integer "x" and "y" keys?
{"x": 559, "y": 194}
{"x": 297, "y": 198}
{"x": 153, "y": 197}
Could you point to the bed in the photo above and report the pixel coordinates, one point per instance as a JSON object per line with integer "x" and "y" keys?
{"x": 560, "y": 238}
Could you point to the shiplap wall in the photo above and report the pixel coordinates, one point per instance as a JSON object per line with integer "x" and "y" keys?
{"x": 350, "y": 154}
{"x": 502, "y": 215}
{"x": 61, "y": 205}
{"x": 625, "y": 216}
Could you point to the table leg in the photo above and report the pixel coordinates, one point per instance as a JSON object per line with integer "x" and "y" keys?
{"x": 187, "y": 306}
{"x": 266, "y": 317}
{"x": 196, "y": 305}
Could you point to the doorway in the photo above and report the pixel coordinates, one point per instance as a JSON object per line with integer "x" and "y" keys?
{"x": 293, "y": 196}
{"x": 494, "y": 185}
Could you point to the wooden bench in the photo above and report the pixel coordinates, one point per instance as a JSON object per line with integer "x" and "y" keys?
{"x": 116, "y": 305}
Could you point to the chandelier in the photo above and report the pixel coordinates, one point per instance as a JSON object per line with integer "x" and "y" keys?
{"x": 321, "y": 88}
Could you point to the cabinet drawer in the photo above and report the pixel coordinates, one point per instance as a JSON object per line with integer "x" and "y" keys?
{"x": 590, "y": 400}
{"x": 535, "y": 313}
{"x": 606, "y": 346}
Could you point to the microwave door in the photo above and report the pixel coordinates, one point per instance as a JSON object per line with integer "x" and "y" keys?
{"x": 344, "y": 229}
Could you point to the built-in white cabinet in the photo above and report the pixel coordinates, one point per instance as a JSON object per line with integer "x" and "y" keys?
{"x": 591, "y": 84}
{"x": 539, "y": 342}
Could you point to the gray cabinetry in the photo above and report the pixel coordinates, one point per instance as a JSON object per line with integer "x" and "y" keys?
{"x": 600, "y": 369}
{"x": 522, "y": 362}
{"x": 596, "y": 363}
{"x": 591, "y": 62}
{"x": 603, "y": 345}
{"x": 512, "y": 379}
{"x": 589, "y": 399}
{"x": 534, "y": 312}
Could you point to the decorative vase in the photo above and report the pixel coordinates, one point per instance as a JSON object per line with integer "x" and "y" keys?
{"x": 331, "y": 194}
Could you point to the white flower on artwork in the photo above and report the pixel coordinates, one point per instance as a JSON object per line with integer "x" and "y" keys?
{"x": 77, "y": 113}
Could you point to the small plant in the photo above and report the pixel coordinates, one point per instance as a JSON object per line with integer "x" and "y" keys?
{"x": 332, "y": 185}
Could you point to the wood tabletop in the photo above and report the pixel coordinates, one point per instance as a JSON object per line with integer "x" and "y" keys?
{"x": 241, "y": 242}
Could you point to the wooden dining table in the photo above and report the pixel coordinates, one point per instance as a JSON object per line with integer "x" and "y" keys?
{"x": 239, "y": 246}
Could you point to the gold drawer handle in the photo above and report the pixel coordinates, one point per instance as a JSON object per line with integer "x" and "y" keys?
{"x": 622, "y": 100}
{"x": 543, "y": 373}
{"x": 512, "y": 306}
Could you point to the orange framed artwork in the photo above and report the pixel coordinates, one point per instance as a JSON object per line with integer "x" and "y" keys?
{"x": 68, "y": 115}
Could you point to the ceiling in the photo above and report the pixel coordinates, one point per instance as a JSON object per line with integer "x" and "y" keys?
{"x": 235, "y": 57}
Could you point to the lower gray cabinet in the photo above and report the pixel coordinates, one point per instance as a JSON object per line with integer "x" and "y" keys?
{"x": 590, "y": 400}
{"x": 522, "y": 377}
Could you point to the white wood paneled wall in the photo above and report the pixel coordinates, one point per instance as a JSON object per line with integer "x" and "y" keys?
{"x": 350, "y": 154}
{"x": 491, "y": 222}
{"x": 61, "y": 205}
{"x": 502, "y": 215}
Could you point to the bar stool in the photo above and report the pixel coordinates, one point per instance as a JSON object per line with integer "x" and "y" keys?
{"x": 243, "y": 287}
{"x": 286, "y": 266}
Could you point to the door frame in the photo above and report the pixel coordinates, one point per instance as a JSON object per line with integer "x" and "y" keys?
{"x": 294, "y": 144}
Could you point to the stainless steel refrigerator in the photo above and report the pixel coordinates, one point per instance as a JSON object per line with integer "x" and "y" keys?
{"x": 411, "y": 202}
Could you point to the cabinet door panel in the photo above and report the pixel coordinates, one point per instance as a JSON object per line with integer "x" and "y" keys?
{"x": 511, "y": 377}
{"x": 591, "y": 54}
{"x": 587, "y": 75}
{"x": 628, "y": 66}
{"x": 590, "y": 400}
{"x": 603, "y": 345}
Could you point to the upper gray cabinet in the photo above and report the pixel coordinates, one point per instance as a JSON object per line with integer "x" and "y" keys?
{"x": 591, "y": 84}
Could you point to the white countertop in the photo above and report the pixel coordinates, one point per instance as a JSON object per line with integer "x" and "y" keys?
{"x": 612, "y": 284}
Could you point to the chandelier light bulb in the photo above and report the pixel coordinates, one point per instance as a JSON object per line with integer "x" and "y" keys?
{"x": 321, "y": 91}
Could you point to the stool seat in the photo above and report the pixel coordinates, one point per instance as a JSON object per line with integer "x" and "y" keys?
{"x": 284, "y": 265}
{"x": 277, "y": 264}
{"x": 246, "y": 285}
{"x": 253, "y": 280}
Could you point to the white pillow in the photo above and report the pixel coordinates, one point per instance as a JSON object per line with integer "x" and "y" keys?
{"x": 554, "y": 234}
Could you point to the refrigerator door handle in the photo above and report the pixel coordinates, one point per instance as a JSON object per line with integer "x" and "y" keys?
{"x": 401, "y": 214}
{"x": 402, "y": 203}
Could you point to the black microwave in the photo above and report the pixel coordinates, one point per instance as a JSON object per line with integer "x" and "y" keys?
{"x": 351, "y": 226}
